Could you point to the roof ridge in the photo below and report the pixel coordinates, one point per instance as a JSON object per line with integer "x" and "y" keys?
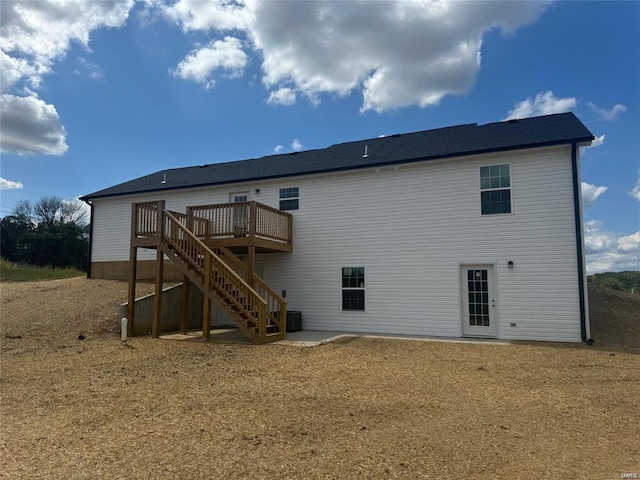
{"x": 438, "y": 143}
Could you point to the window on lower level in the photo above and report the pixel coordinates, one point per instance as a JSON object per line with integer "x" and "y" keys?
{"x": 290, "y": 198}
{"x": 495, "y": 189}
{"x": 353, "y": 289}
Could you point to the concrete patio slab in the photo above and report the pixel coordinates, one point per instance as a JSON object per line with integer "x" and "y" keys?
{"x": 310, "y": 338}
{"x": 318, "y": 337}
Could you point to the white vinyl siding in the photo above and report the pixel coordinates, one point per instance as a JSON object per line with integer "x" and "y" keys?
{"x": 412, "y": 226}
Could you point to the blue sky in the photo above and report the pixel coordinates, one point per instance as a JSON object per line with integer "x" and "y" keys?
{"x": 98, "y": 93}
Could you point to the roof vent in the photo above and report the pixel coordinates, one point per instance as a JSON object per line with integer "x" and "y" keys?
{"x": 164, "y": 179}
{"x": 293, "y": 153}
{"x": 396, "y": 135}
{"x": 366, "y": 154}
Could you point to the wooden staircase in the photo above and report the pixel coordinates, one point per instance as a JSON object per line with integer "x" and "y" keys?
{"x": 258, "y": 311}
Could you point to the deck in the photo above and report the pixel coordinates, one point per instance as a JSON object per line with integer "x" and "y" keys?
{"x": 204, "y": 244}
{"x": 235, "y": 226}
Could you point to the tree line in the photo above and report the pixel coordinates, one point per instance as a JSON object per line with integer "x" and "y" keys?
{"x": 623, "y": 281}
{"x": 50, "y": 232}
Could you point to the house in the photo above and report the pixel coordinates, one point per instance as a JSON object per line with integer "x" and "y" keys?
{"x": 471, "y": 230}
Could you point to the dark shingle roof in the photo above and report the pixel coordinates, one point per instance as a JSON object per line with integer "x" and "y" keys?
{"x": 440, "y": 143}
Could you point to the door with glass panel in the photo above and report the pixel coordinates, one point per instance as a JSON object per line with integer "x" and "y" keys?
{"x": 479, "y": 311}
{"x": 240, "y": 213}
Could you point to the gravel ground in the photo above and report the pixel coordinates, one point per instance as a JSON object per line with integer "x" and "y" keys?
{"x": 360, "y": 408}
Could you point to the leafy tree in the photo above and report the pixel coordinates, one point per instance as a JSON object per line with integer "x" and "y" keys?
{"x": 623, "y": 281}
{"x": 52, "y": 232}
{"x": 12, "y": 227}
{"x": 59, "y": 245}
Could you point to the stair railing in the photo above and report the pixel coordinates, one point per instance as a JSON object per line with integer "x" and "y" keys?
{"x": 276, "y": 306}
{"x": 216, "y": 275}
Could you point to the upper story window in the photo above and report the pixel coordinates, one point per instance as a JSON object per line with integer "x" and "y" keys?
{"x": 290, "y": 198}
{"x": 495, "y": 189}
{"x": 353, "y": 289}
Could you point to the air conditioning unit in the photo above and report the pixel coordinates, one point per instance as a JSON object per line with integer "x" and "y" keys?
{"x": 294, "y": 321}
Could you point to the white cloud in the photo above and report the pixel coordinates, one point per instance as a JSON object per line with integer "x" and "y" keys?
{"x": 222, "y": 15}
{"x": 545, "y": 103}
{"x": 297, "y": 145}
{"x": 635, "y": 191}
{"x": 30, "y": 126}
{"x": 9, "y": 184}
{"x": 590, "y": 193}
{"x": 608, "y": 114}
{"x": 13, "y": 69}
{"x": 347, "y": 51}
{"x": 608, "y": 252}
{"x": 34, "y": 35}
{"x": 282, "y": 96}
{"x": 200, "y": 64}
{"x": 397, "y": 53}
{"x": 597, "y": 142}
{"x": 40, "y": 33}
{"x": 630, "y": 243}
{"x": 278, "y": 149}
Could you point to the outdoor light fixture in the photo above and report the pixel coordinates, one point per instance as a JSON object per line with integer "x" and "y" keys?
{"x": 256, "y": 191}
{"x": 510, "y": 264}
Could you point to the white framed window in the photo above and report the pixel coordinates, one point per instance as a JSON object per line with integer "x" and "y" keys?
{"x": 290, "y": 198}
{"x": 353, "y": 289}
{"x": 495, "y": 189}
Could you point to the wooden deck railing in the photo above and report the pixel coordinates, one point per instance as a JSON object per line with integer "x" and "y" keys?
{"x": 181, "y": 217}
{"x": 225, "y": 220}
{"x": 241, "y": 219}
{"x": 145, "y": 218}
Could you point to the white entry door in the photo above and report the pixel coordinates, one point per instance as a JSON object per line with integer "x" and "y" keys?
{"x": 240, "y": 213}
{"x": 479, "y": 311}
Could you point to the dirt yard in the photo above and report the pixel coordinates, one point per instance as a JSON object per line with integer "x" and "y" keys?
{"x": 358, "y": 409}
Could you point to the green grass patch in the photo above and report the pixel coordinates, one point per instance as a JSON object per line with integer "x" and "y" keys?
{"x": 11, "y": 272}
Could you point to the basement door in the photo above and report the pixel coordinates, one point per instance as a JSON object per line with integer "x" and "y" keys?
{"x": 479, "y": 312}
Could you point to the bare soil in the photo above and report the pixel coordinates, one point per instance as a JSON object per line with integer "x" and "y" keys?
{"x": 366, "y": 408}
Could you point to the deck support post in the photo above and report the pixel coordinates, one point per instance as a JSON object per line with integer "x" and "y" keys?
{"x": 206, "y": 307}
{"x": 251, "y": 264}
{"x": 190, "y": 222}
{"x": 206, "y": 318}
{"x": 133, "y": 264}
{"x": 251, "y": 257}
{"x": 290, "y": 230}
{"x": 157, "y": 304}
{"x": 184, "y": 318}
{"x": 131, "y": 301}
